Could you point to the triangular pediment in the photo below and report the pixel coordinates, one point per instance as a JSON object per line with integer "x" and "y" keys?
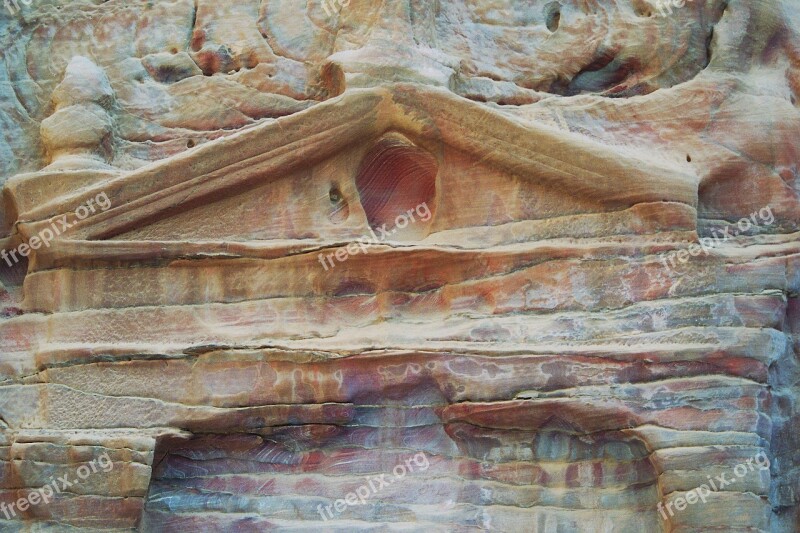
{"x": 284, "y": 167}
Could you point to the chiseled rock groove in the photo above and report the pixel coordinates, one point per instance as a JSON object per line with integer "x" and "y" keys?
{"x": 294, "y": 246}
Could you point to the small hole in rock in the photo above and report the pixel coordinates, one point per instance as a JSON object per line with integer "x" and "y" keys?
{"x": 552, "y": 15}
{"x": 174, "y": 50}
{"x": 190, "y": 143}
{"x": 688, "y": 158}
{"x": 642, "y": 8}
{"x": 340, "y": 211}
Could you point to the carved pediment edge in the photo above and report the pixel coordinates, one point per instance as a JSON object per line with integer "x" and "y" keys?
{"x": 271, "y": 149}
{"x": 580, "y": 165}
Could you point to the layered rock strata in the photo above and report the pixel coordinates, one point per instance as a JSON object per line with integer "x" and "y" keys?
{"x": 258, "y": 254}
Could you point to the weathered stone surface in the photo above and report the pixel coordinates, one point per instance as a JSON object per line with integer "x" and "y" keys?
{"x": 258, "y": 254}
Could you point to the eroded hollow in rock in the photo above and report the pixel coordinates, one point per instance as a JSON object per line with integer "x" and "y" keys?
{"x": 396, "y": 183}
{"x": 443, "y": 476}
{"x": 552, "y": 13}
{"x": 339, "y": 208}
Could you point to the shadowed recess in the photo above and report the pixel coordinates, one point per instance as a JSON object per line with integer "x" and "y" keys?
{"x": 462, "y": 478}
{"x": 395, "y": 177}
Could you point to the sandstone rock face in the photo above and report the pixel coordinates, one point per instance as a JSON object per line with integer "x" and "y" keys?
{"x": 410, "y": 265}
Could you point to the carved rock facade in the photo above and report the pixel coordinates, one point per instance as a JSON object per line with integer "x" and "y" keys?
{"x": 258, "y": 254}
